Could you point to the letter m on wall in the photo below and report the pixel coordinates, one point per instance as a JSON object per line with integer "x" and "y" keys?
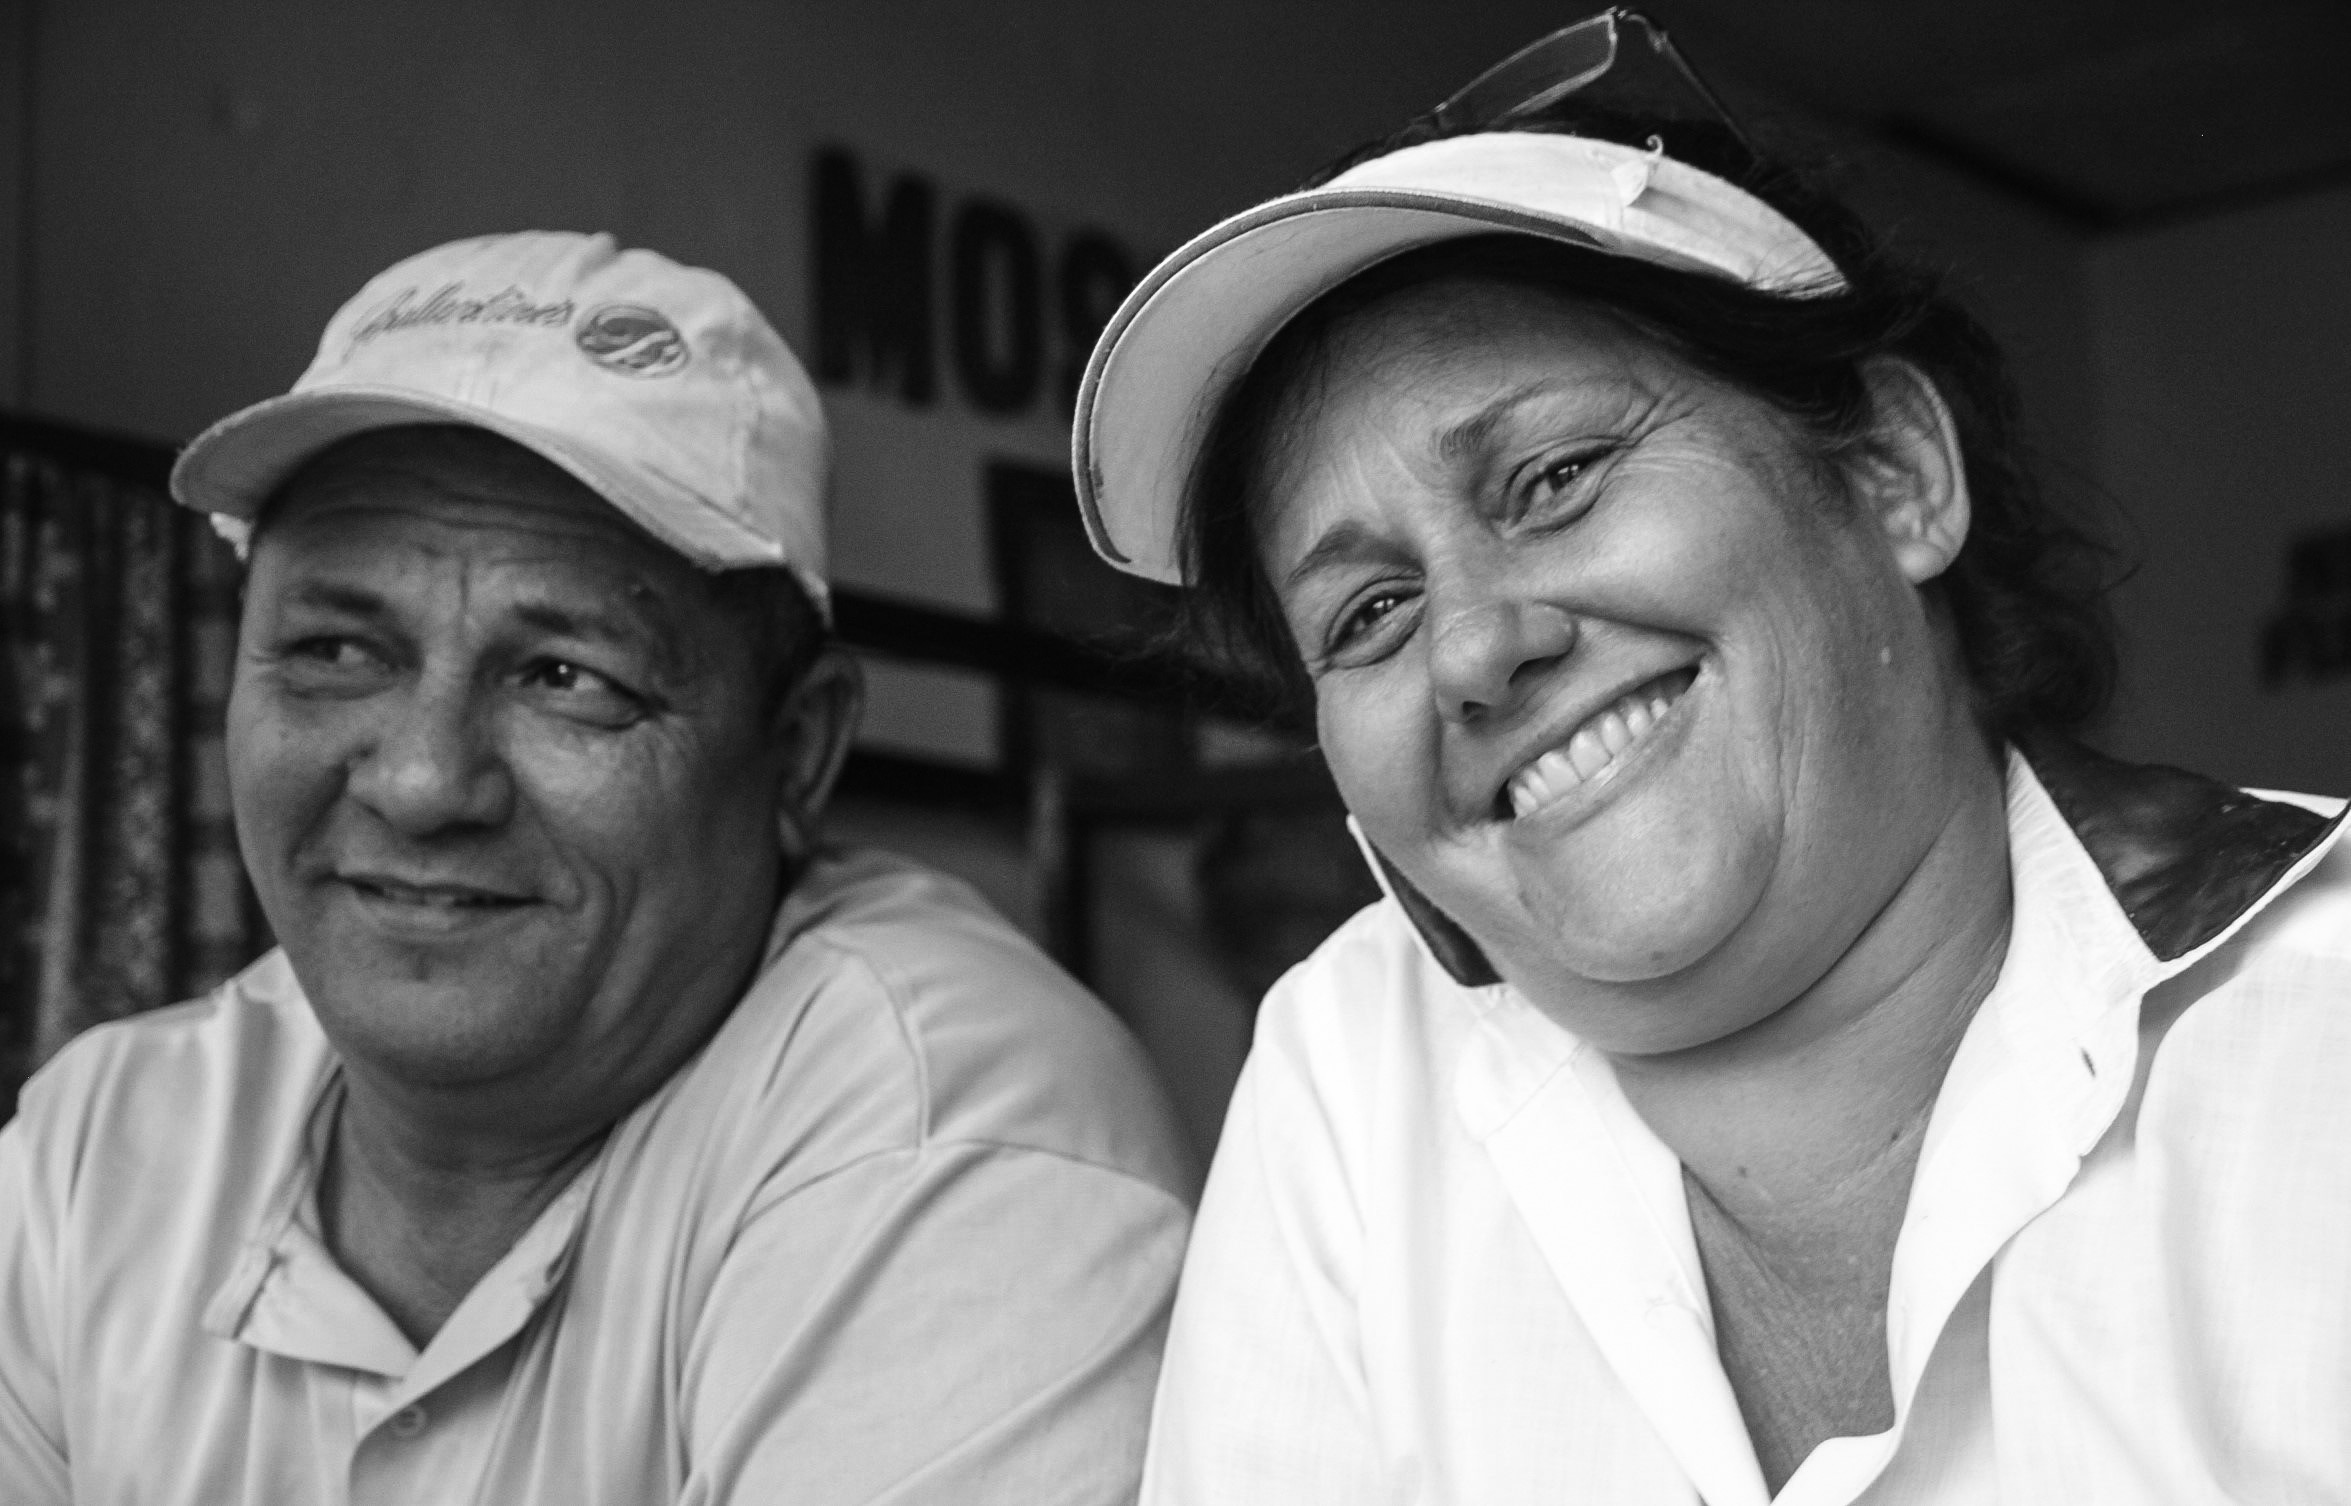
{"x": 873, "y": 281}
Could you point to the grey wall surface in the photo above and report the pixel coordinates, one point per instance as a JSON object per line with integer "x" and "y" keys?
{"x": 2224, "y": 389}
{"x": 198, "y": 183}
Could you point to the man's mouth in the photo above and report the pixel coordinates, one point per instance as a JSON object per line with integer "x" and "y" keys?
{"x": 431, "y": 896}
{"x": 1596, "y": 744}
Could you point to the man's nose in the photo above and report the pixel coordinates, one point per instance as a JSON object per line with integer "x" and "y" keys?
{"x": 1486, "y": 648}
{"x": 434, "y": 765}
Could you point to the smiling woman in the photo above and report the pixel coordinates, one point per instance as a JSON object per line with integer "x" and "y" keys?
{"x": 1745, "y": 1085}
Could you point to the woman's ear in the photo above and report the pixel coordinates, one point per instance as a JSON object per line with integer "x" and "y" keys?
{"x": 1908, "y": 473}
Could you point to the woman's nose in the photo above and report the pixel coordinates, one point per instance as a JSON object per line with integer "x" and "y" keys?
{"x": 434, "y": 766}
{"x": 1484, "y": 653}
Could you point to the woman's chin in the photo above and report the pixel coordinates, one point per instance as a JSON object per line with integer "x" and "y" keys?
{"x": 1630, "y": 946}
{"x": 1615, "y": 963}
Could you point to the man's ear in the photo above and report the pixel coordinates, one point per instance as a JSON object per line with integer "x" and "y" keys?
{"x": 815, "y": 726}
{"x": 1907, "y": 473}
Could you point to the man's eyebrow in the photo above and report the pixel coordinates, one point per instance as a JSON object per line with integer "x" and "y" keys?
{"x": 605, "y": 627}
{"x": 651, "y": 633}
{"x": 337, "y": 596}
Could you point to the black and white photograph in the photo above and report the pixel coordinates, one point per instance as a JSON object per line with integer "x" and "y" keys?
{"x": 1258, "y": 753}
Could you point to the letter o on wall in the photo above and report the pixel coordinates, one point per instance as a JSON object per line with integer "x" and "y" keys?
{"x": 996, "y": 288}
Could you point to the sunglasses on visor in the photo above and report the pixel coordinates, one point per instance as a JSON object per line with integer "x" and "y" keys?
{"x": 1644, "y": 74}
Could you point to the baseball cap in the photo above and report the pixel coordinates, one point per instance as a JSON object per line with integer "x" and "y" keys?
{"x": 658, "y": 385}
{"x": 1191, "y": 329}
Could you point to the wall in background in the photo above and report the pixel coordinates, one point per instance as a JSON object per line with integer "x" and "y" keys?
{"x": 2224, "y": 383}
{"x": 211, "y": 177}
{"x": 16, "y": 76}
{"x": 208, "y": 179}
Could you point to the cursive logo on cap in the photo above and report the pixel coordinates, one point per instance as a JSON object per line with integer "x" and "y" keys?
{"x": 632, "y": 339}
{"x": 454, "y": 303}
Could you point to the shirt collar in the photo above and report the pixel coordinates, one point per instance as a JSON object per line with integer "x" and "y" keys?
{"x": 2040, "y": 1076}
{"x": 2164, "y": 868}
{"x": 287, "y": 1295}
{"x": 2189, "y": 859}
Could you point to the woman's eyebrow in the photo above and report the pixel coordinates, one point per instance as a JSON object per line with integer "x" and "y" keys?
{"x": 1345, "y": 540}
{"x": 1465, "y": 438}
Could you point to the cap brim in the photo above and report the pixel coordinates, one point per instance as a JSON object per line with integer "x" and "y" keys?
{"x": 232, "y": 468}
{"x": 1193, "y": 329}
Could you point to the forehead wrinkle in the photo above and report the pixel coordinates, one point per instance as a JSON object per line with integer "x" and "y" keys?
{"x": 648, "y": 627}
{"x": 1466, "y": 438}
{"x": 591, "y": 585}
{"x": 1343, "y": 541}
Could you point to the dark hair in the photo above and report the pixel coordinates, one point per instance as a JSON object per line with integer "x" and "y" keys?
{"x": 2026, "y": 593}
{"x": 786, "y": 631}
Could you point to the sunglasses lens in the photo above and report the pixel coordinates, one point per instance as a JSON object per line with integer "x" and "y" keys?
{"x": 1536, "y": 75}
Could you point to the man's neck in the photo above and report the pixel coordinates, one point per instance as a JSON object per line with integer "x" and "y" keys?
{"x": 417, "y": 1212}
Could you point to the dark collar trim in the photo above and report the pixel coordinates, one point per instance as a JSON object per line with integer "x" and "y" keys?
{"x": 2184, "y": 855}
{"x": 1462, "y": 959}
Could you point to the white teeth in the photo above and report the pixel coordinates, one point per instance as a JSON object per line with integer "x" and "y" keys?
{"x": 1588, "y": 753}
{"x": 1598, "y": 743}
{"x": 1539, "y": 781}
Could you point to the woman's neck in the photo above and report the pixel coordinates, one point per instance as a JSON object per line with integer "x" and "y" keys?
{"x": 1802, "y": 1111}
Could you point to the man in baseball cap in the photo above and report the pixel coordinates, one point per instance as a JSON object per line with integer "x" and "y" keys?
{"x": 594, "y": 1134}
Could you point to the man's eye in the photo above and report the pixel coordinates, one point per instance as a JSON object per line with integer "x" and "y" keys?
{"x": 559, "y": 674}
{"x": 336, "y": 651}
{"x": 584, "y": 692}
{"x": 331, "y": 662}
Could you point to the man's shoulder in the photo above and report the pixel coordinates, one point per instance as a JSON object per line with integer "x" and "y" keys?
{"x": 252, "y": 1030}
{"x": 903, "y": 1009}
{"x": 155, "y": 1108}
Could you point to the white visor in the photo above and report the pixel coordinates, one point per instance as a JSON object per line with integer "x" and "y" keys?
{"x": 1198, "y": 322}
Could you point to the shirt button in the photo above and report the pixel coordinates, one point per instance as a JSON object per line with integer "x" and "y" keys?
{"x": 407, "y": 1422}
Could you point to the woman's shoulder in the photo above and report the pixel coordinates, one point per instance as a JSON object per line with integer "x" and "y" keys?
{"x": 2259, "y": 1031}
{"x": 1368, "y": 1006}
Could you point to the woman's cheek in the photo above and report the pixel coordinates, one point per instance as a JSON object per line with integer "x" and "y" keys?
{"x": 1379, "y": 757}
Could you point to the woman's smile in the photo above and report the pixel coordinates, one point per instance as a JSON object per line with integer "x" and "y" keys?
{"x": 1597, "y": 752}
{"x": 1591, "y": 634}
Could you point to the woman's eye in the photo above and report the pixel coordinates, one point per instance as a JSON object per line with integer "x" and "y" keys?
{"x": 1363, "y": 629}
{"x": 1555, "y": 479}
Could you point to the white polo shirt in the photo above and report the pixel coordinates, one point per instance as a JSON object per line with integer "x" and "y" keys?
{"x": 906, "y": 1229}
{"x": 1441, "y": 1260}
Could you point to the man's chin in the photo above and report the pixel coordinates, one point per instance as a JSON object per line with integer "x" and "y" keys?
{"x": 454, "y": 1028}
